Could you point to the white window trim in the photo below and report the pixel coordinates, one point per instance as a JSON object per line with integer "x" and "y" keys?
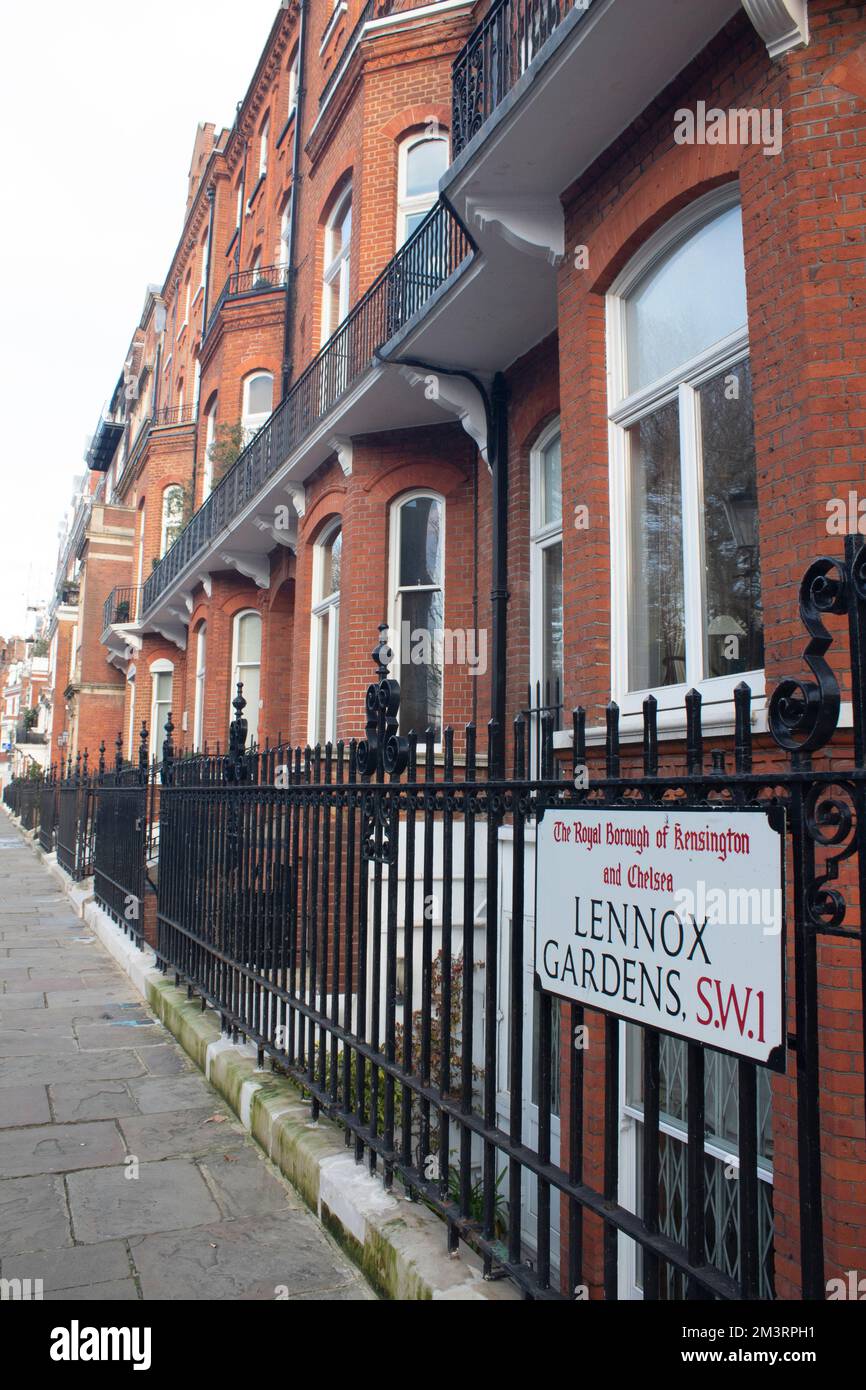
{"x": 209, "y": 437}
{"x": 329, "y": 604}
{"x": 264, "y": 138}
{"x": 623, "y": 411}
{"x": 163, "y": 534}
{"x": 420, "y": 202}
{"x": 252, "y": 721}
{"x": 540, "y": 538}
{"x": 335, "y": 265}
{"x": 394, "y": 606}
{"x": 249, "y": 418}
{"x": 200, "y": 678}
{"x": 162, "y": 667}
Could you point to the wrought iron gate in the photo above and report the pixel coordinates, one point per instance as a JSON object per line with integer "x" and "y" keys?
{"x": 363, "y": 913}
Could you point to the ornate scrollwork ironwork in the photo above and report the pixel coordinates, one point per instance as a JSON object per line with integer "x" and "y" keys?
{"x": 830, "y": 823}
{"x": 803, "y": 714}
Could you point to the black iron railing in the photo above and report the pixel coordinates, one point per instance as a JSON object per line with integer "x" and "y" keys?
{"x": 434, "y": 251}
{"x": 348, "y": 908}
{"x": 168, "y": 415}
{"x": 48, "y": 811}
{"x": 76, "y": 805}
{"x": 495, "y": 56}
{"x": 23, "y": 797}
{"x": 120, "y": 837}
{"x": 120, "y": 607}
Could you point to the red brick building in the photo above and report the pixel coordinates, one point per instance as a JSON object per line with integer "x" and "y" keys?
{"x": 581, "y": 430}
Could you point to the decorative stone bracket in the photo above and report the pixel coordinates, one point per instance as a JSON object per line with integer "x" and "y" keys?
{"x": 782, "y": 24}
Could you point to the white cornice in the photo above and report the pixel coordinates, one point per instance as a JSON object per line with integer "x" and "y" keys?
{"x": 782, "y": 24}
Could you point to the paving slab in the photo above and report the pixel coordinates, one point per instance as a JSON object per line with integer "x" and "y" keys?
{"x": 33, "y": 1215}
{"x": 24, "y": 1105}
{"x": 153, "y": 1094}
{"x": 91, "y": 1100}
{"x": 239, "y": 1260}
{"x": 77, "y": 1266}
{"x": 59, "y": 1148}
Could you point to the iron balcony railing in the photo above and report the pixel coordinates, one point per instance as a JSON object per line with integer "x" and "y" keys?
{"x": 120, "y": 607}
{"x": 496, "y": 54}
{"x": 259, "y": 280}
{"x": 420, "y": 267}
{"x": 167, "y": 416}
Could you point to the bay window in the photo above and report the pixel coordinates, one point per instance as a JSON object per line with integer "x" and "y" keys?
{"x": 686, "y": 587}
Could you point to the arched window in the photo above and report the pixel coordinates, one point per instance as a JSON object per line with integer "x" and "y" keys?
{"x": 422, "y": 161}
{"x": 258, "y": 401}
{"x": 327, "y": 555}
{"x": 209, "y": 438}
{"x": 200, "y": 668}
{"x": 686, "y": 566}
{"x": 545, "y": 536}
{"x": 172, "y": 516}
{"x": 418, "y": 608}
{"x": 161, "y": 685}
{"x": 338, "y": 240}
{"x": 246, "y": 667}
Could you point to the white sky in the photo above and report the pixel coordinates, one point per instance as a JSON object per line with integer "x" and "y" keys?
{"x": 99, "y": 103}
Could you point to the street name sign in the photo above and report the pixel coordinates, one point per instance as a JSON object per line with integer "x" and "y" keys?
{"x": 672, "y": 919}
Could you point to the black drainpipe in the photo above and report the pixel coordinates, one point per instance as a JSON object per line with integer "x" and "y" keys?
{"x": 496, "y": 411}
{"x": 292, "y": 270}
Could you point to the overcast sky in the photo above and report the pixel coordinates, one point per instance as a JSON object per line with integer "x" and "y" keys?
{"x": 100, "y": 101}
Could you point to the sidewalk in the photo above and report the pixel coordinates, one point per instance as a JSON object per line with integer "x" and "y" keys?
{"x": 123, "y": 1175}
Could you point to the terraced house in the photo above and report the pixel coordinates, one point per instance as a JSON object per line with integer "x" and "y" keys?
{"x": 535, "y": 333}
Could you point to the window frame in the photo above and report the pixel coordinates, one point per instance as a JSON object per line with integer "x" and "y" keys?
{"x": 200, "y": 678}
{"x": 209, "y": 437}
{"x": 395, "y": 592}
{"x": 541, "y": 537}
{"x": 680, "y": 386}
{"x": 420, "y": 202}
{"x": 264, "y": 141}
{"x": 320, "y": 606}
{"x": 160, "y": 667}
{"x": 337, "y": 268}
{"x": 251, "y": 715}
{"x": 163, "y": 531}
{"x": 246, "y": 414}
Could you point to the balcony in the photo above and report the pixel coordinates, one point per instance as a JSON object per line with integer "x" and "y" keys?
{"x": 104, "y": 445}
{"x": 119, "y": 624}
{"x": 344, "y": 368}
{"x": 241, "y": 283}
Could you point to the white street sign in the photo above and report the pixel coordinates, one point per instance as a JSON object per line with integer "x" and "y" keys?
{"x": 673, "y": 919}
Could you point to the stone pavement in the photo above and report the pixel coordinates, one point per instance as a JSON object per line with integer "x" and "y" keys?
{"x": 123, "y": 1175}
